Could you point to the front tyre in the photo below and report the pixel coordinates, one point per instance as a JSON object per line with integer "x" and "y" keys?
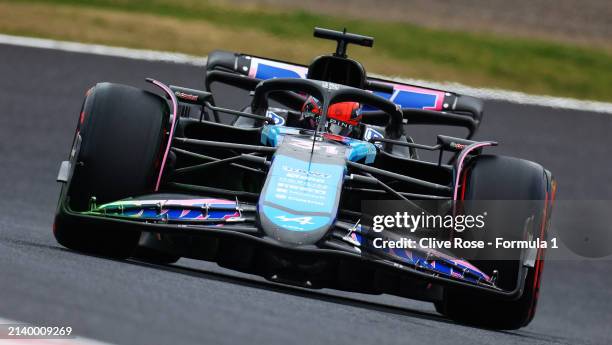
{"x": 504, "y": 178}
{"x": 121, "y": 133}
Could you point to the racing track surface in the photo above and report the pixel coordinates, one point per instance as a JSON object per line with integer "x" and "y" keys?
{"x": 198, "y": 303}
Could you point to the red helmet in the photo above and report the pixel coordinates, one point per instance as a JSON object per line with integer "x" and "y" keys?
{"x": 341, "y": 117}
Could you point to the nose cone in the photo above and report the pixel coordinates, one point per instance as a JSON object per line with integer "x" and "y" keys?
{"x": 292, "y": 228}
{"x": 299, "y": 201}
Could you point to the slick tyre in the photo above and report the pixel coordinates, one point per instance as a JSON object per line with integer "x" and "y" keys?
{"x": 121, "y": 131}
{"x": 491, "y": 177}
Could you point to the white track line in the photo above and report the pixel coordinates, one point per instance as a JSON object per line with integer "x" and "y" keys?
{"x": 5, "y": 340}
{"x": 153, "y": 55}
{"x": 513, "y": 96}
{"x": 97, "y": 49}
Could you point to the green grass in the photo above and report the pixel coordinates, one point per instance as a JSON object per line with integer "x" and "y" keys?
{"x": 477, "y": 59}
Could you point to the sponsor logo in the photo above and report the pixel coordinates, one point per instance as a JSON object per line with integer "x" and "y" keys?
{"x": 307, "y": 144}
{"x": 305, "y": 172}
{"x": 278, "y": 120}
{"x": 372, "y": 134}
{"x": 186, "y": 96}
{"x": 299, "y": 220}
{"x": 330, "y": 86}
{"x": 457, "y": 146}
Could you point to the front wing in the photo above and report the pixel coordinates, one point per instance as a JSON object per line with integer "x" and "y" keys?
{"x": 223, "y": 231}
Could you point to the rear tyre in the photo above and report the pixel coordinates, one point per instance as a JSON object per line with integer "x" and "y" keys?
{"x": 122, "y": 133}
{"x": 504, "y": 178}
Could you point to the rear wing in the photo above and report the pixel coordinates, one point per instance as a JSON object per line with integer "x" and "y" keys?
{"x": 420, "y": 105}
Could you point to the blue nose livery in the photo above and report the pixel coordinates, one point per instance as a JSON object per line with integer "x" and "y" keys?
{"x": 299, "y": 201}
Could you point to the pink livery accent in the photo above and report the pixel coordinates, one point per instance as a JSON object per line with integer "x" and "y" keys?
{"x": 167, "y": 90}
{"x": 228, "y": 216}
{"x": 255, "y": 62}
{"x": 182, "y": 202}
{"x": 462, "y": 156}
{"x": 252, "y": 70}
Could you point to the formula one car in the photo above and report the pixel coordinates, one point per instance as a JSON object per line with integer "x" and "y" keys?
{"x": 275, "y": 188}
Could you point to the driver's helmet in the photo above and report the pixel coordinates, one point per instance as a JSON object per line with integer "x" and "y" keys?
{"x": 342, "y": 118}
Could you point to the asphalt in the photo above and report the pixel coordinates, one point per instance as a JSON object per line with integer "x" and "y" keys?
{"x": 127, "y": 302}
